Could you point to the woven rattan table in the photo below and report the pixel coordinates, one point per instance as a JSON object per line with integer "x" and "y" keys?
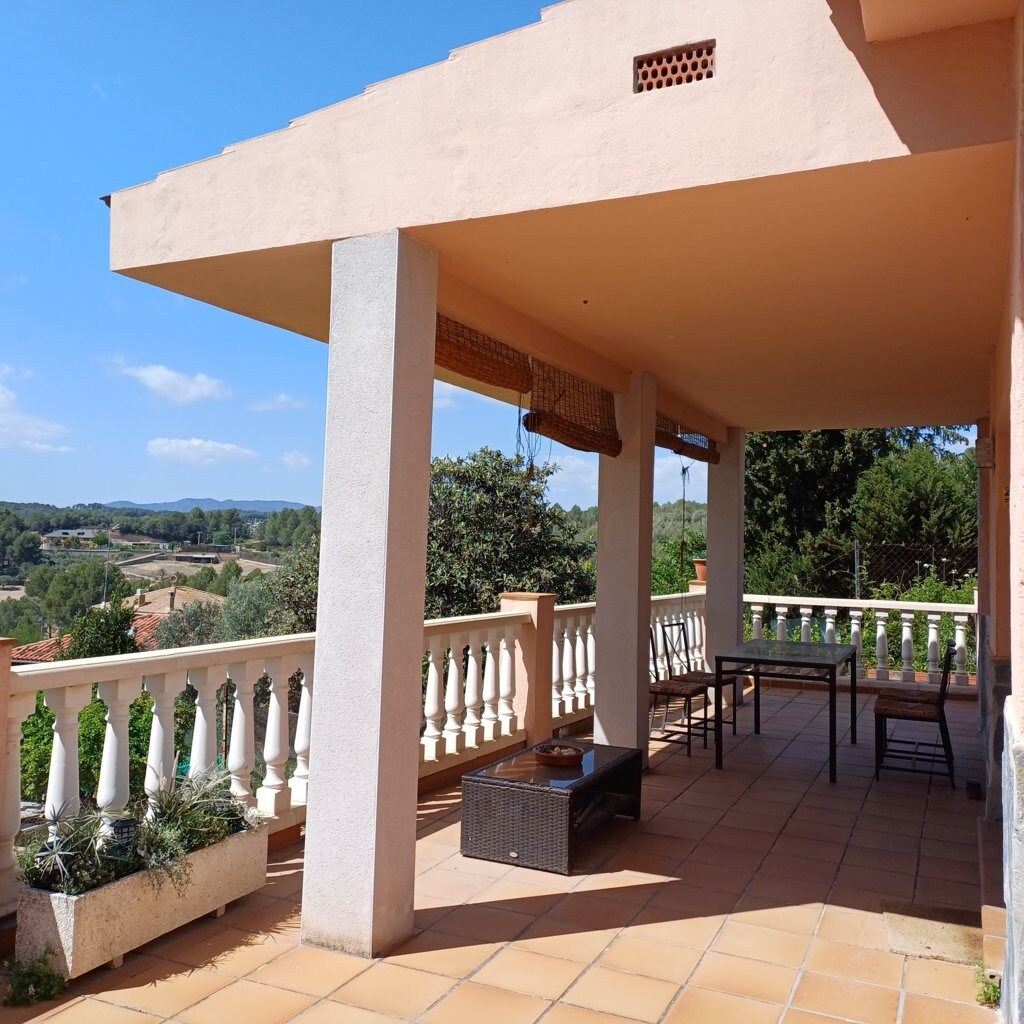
{"x": 519, "y": 811}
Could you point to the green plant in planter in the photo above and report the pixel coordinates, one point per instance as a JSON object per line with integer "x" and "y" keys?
{"x": 72, "y": 855}
{"x": 32, "y": 982}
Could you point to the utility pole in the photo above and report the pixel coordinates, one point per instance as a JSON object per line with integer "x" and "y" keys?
{"x": 856, "y": 569}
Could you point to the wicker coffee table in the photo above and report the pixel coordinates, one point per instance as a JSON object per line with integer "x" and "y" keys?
{"x": 519, "y": 811}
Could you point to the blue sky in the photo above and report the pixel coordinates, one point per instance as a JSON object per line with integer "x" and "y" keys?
{"x": 110, "y": 388}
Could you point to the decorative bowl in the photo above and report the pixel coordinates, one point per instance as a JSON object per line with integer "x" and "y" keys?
{"x": 560, "y": 755}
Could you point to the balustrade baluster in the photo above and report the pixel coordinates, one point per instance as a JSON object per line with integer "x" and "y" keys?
{"x": 62, "y": 786}
{"x": 934, "y": 671}
{"x": 907, "y": 646}
{"x": 881, "y": 645}
{"x": 472, "y": 727}
{"x": 756, "y": 621}
{"x": 580, "y": 683}
{"x": 856, "y": 637}
{"x": 454, "y": 705}
{"x": 556, "y": 676}
{"x": 203, "y": 756}
{"x": 960, "y": 637}
{"x": 242, "y": 746}
{"x": 299, "y": 782}
{"x": 568, "y": 669}
{"x": 19, "y": 707}
{"x": 698, "y": 658}
{"x": 163, "y": 688}
{"x": 273, "y": 798}
{"x": 781, "y": 625}
{"x": 112, "y": 790}
{"x": 491, "y": 722}
{"x": 830, "y": 625}
{"x": 506, "y": 687}
{"x": 805, "y": 624}
{"x": 591, "y": 668}
{"x": 431, "y": 739}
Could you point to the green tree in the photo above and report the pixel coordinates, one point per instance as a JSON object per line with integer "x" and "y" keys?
{"x": 197, "y": 623}
{"x": 294, "y": 586}
{"x": 247, "y": 611}
{"x": 73, "y": 590}
{"x": 102, "y": 632}
{"x": 492, "y": 529}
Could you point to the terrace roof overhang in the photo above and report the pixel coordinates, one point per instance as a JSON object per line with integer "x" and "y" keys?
{"x": 824, "y": 246}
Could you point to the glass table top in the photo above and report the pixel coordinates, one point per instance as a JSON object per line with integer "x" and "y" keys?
{"x": 788, "y": 652}
{"x": 525, "y": 768}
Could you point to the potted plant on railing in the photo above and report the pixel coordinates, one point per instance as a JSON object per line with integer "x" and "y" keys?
{"x": 97, "y": 889}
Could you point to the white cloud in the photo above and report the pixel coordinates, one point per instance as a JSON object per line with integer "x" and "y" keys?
{"x": 575, "y": 483}
{"x": 296, "y": 460}
{"x": 100, "y": 91}
{"x": 444, "y": 396}
{"x": 279, "y": 403}
{"x": 177, "y": 387}
{"x": 20, "y": 429}
{"x": 668, "y": 480}
{"x": 194, "y": 451}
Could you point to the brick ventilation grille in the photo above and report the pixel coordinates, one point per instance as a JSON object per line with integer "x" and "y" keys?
{"x": 678, "y": 66}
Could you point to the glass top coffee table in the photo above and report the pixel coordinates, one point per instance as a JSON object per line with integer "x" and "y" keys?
{"x": 520, "y": 811}
{"x": 785, "y": 659}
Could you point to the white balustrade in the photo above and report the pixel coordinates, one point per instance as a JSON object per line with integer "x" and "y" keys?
{"x": 203, "y": 756}
{"x": 591, "y": 663}
{"x": 472, "y": 724}
{"x": 454, "y": 703}
{"x": 62, "y": 788}
{"x": 506, "y": 690}
{"x": 910, "y": 612}
{"x": 431, "y": 739}
{"x": 299, "y": 782}
{"x": 579, "y": 686}
{"x": 490, "y": 718}
{"x": 112, "y": 788}
{"x": 241, "y": 754}
{"x": 273, "y": 798}
{"x": 19, "y": 707}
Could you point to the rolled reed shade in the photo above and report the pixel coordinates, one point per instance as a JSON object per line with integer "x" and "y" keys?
{"x": 572, "y": 411}
{"x": 471, "y": 353}
{"x": 683, "y": 441}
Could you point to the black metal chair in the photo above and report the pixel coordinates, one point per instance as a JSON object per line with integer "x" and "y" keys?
{"x": 915, "y": 706}
{"x": 674, "y": 688}
{"x": 676, "y": 641}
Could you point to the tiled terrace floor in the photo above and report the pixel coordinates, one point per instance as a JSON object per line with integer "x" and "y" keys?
{"x": 746, "y": 896}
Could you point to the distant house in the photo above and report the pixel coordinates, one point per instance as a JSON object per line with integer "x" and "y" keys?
{"x": 47, "y": 650}
{"x": 169, "y": 599}
{"x": 55, "y": 535}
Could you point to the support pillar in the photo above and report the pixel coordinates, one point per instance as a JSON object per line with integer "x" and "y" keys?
{"x": 624, "y": 523}
{"x": 361, "y": 812}
{"x": 724, "y": 615}
{"x": 532, "y": 702}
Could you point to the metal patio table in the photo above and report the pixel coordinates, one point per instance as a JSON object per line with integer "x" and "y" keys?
{"x": 519, "y": 811}
{"x": 784, "y": 659}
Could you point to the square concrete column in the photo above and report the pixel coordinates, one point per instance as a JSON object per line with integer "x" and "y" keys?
{"x": 625, "y": 504}
{"x": 724, "y": 614}
{"x": 361, "y": 810}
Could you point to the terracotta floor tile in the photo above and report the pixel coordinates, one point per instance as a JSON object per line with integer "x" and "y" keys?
{"x": 487, "y": 924}
{"x": 558, "y": 939}
{"x": 532, "y": 974}
{"x": 438, "y": 953}
{"x": 562, "y": 1013}
{"x": 628, "y": 995}
{"x": 388, "y": 988}
{"x": 454, "y": 885}
{"x": 942, "y": 980}
{"x": 328, "y": 1012}
{"x": 801, "y": 918}
{"x": 876, "y": 966}
{"x": 164, "y": 988}
{"x": 635, "y": 955}
{"x": 247, "y": 1001}
{"x": 757, "y": 943}
{"x": 794, "y": 1016}
{"x": 227, "y": 950}
{"x": 590, "y": 911}
{"x": 316, "y": 972}
{"x": 698, "y": 1005}
{"x": 771, "y": 983}
{"x": 471, "y": 1003}
{"x": 662, "y": 925}
{"x": 88, "y": 1011}
{"x": 919, "y": 1009}
{"x": 867, "y": 1004}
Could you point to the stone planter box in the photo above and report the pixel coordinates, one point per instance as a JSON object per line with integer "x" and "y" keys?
{"x": 100, "y": 926}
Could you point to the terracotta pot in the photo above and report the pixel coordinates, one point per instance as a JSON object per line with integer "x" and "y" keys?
{"x": 700, "y": 567}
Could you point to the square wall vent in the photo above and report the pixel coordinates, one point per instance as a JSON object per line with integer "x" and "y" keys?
{"x": 681, "y": 65}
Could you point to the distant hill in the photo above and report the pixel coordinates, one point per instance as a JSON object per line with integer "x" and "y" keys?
{"x": 207, "y": 505}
